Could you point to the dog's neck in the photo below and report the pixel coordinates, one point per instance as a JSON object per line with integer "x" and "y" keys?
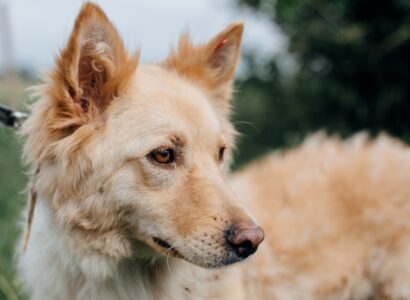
{"x": 95, "y": 277}
{"x": 181, "y": 280}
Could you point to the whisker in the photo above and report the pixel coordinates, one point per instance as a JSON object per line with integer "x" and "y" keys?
{"x": 168, "y": 252}
{"x": 251, "y": 124}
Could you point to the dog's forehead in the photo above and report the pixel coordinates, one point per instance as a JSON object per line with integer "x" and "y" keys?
{"x": 168, "y": 99}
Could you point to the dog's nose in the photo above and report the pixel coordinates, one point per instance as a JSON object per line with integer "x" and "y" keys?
{"x": 245, "y": 239}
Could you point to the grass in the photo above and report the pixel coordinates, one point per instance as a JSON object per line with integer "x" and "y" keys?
{"x": 12, "y": 200}
{"x": 7, "y": 289}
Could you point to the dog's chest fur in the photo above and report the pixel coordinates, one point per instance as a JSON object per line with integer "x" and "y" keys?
{"x": 52, "y": 272}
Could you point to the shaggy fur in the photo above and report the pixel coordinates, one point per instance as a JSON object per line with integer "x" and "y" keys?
{"x": 109, "y": 222}
{"x": 336, "y": 217}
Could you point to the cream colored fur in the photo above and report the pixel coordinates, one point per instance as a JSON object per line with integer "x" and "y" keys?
{"x": 335, "y": 214}
{"x": 336, "y": 217}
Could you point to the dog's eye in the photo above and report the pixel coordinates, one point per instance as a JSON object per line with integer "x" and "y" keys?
{"x": 221, "y": 153}
{"x": 163, "y": 155}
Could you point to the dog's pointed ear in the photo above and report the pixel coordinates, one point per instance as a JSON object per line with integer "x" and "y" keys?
{"x": 211, "y": 65}
{"x": 91, "y": 70}
{"x": 222, "y": 52}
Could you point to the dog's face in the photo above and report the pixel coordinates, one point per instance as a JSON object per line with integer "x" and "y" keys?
{"x": 136, "y": 155}
{"x": 172, "y": 150}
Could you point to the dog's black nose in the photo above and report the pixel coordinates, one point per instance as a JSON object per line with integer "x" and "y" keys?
{"x": 244, "y": 239}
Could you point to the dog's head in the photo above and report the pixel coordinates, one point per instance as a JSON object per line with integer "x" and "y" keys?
{"x": 131, "y": 156}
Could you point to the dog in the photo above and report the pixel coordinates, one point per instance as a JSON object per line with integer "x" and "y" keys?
{"x": 130, "y": 196}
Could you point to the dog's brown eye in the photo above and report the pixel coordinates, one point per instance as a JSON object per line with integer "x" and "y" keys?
{"x": 221, "y": 153}
{"x": 163, "y": 156}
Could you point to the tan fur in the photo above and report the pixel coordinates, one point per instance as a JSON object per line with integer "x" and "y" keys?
{"x": 204, "y": 65}
{"x": 335, "y": 212}
{"x": 336, "y": 218}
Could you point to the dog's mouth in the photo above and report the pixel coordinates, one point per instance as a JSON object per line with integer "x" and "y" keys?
{"x": 164, "y": 245}
{"x": 167, "y": 249}
{"x": 161, "y": 242}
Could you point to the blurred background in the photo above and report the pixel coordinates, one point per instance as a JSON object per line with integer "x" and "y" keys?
{"x": 342, "y": 66}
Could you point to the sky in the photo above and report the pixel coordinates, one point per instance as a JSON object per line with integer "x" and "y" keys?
{"x": 39, "y": 28}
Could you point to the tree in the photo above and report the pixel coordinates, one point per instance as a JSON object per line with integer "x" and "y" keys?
{"x": 353, "y": 73}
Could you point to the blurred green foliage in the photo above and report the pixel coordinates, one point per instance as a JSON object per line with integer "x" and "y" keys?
{"x": 12, "y": 184}
{"x": 12, "y": 197}
{"x": 352, "y": 73}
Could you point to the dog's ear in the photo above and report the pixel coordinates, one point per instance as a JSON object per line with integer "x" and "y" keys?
{"x": 91, "y": 70}
{"x": 211, "y": 65}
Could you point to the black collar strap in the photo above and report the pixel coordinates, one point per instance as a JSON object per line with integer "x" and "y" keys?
{"x": 11, "y": 118}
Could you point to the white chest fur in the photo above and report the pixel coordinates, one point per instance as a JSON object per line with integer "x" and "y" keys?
{"x": 49, "y": 270}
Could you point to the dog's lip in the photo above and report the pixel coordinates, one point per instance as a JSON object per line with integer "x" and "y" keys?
{"x": 164, "y": 245}
{"x": 161, "y": 242}
{"x": 165, "y": 248}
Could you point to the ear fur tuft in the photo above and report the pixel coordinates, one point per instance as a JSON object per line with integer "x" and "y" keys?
{"x": 211, "y": 65}
{"x": 91, "y": 70}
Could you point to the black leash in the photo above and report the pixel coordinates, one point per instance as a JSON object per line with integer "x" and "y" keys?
{"x": 11, "y": 118}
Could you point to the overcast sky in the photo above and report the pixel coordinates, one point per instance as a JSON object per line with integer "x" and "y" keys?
{"x": 40, "y": 27}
